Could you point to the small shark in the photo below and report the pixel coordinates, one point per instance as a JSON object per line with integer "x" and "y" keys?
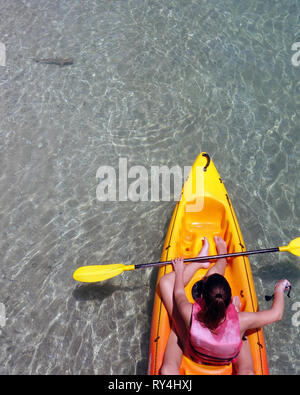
{"x": 59, "y": 61}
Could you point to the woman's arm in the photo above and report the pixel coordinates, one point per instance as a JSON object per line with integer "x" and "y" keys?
{"x": 262, "y": 318}
{"x": 183, "y": 305}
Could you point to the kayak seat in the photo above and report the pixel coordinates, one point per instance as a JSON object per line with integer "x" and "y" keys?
{"x": 189, "y": 367}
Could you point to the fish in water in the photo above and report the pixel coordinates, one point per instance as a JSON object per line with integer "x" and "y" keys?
{"x": 59, "y": 61}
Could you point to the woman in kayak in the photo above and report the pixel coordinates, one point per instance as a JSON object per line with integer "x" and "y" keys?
{"x": 212, "y": 330}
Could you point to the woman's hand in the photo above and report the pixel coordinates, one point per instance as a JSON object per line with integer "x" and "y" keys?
{"x": 178, "y": 265}
{"x": 282, "y": 286}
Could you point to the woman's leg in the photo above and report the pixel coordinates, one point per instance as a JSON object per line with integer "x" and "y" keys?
{"x": 166, "y": 283}
{"x": 189, "y": 270}
{"x": 179, "y": 331}
{"x": 244, "y": 363}
{"x": 173, "y": 353}
{"x": 220, "y": 265}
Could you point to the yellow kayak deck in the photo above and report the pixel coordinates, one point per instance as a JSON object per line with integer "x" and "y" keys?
{"x": 205, "y": 210}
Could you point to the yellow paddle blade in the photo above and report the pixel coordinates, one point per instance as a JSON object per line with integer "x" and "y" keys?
{"x": 95, "y": 273}
{"x": 293, "y": 247}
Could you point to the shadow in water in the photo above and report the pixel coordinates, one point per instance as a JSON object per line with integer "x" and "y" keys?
{"x": 97, "y": 291}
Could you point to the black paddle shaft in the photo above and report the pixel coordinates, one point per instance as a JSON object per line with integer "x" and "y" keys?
{"x": 209, "y": 258}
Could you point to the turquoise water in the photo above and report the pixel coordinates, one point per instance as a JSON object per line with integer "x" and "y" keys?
{"x": 156, "y": 83}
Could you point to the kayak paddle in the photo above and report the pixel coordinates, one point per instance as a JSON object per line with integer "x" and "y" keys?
{"x": 96, "y": 273}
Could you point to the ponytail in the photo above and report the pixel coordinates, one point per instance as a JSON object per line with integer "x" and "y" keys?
{"x": 217, "y": 296}
{"x": 212, "y": 316}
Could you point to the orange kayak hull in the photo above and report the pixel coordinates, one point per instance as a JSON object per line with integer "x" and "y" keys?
{"x": 205, "y": 210}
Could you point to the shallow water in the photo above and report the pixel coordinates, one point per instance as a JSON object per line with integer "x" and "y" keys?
{"x": 156, "y": 83}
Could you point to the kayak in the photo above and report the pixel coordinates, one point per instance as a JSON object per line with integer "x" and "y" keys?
{"x": 205, "y": 209}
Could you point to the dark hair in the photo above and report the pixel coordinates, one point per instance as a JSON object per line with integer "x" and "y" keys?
{"x": 216, "y": 293}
